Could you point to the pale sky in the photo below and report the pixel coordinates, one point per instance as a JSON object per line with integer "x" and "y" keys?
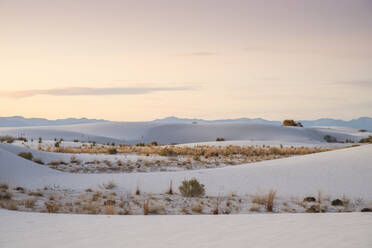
{"x": 141, "y": 60}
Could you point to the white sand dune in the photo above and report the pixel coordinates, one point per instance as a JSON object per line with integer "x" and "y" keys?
{"x": 346, "y": 171}
{"x": 132, "y": 132}
{"x": 341, "y": 230}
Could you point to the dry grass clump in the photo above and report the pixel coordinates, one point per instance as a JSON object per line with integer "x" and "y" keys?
{"x": 270, "y": 200}
{"x": 197, "y": 208}
{"x": 52, "y": 206}
{"x": 196, "y": 151}
{"x": 35, "y": 193}
{"x": 110, "y": 185}
{"x": 10, "y": 205}
{"x": 26, "y": 155}
{"x": 91, "y": 208}
{"x": 259, "y": 199}
{"x": 255, "y": 207}
{"x": 30, "y": 203}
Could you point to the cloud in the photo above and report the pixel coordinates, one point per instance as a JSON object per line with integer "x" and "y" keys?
{"x": 86, "y": 91}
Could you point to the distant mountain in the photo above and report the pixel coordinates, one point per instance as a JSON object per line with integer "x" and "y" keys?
{"x": 19, "y": 121}
{"x": 173, "y": 119}
{"x": 360, "y": 123}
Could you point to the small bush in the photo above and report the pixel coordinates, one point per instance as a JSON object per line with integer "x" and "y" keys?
{"x": 309, "y": 199}
{"x": 76, "y": 140}
{"x": 26, "y": 155}
{"x": 220, "y": 139}
{"x": 366, "y": 140}
{"x": 366, "y": 210}
{"x": 52, "y": 206}
{"x": 30, "y": 202}
{"x": 112, "y": 151}
{"x": 292, "y": 123}
{"x": 5, "y": 195}
{"x": 192, "y": 188}
{"x": 38, "y": 161}
{"x": 109, "y": 185}
{"x": 57, "y": 144}
{"x": 270, "y": 200}
{"x": 8, "y": 139}
{"x": 363, "y": 130}
{"x": 154, "y": 143}
{"x": 140, "y": 144}
{"x": 330, "y": 139}
{"x": 337, "y": 202}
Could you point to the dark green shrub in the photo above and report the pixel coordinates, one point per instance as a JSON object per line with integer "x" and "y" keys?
{"x": 154, "y": 143}
{"x": 366, "y": 140}
{"x": 140, "y": 144}
{"x": 26, "y": 155}
{"x": 76, "y": 140}
{"x": 337, "y": 202}
{"x": 7, "y": 139}
{"x": 112, "y": 151}
{"x": 330, "y": 139}
{"x": 191, "y": 188}
{"x": 220, "y": 139}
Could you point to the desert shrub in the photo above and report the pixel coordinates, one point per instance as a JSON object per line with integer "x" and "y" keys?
{"x": 337, "y": 202}
{"x": 198, "y": 208}
{"x": 170, "y": 190}
{"x": 30, "y": 202}
{"x": 5, "y": 195}
{"x": 270, "y": 200}
{"x": 26, "y": 155}
{"x": 40, "y": 140}
{"x": 52, "y": 206}
{"x": 154, "y": 143}
{"x": 366, "y": 140}
{"x": 292, "y": 123}
{"x": 109, "y": 185}
{"x": 167, "y": 152}
{"x": 259, "y": 199}
{"x": 363, "y": 130}
{"x": 7, "y": 139}
{"x": 330, "y": 139}
{"x": 140, "y": 144}
{"x": 76, "y": 140}
{"x": 309, "y": 199}
{"x": 4, "y": 186}
{"x": 57, "y": 144}
{"x": 220, "y": 139}
{"x": 366, "y": 210}
{"x": 191, "y": 188}
{"x": 112, "y": 151}
{"x": 38, "y": 161}
{"x": 22, "y": 139}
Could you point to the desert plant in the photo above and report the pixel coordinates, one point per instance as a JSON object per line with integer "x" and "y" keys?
{"x": 330, "y": 139}
{"x": 220, "y": 139}
{"x": 270, "y": 200}
{"x": 8, "y": 139}
{"x": 109, "y": 185}
{"x": 366, "y": 140}
{"x": 38, "y": 161}
{"x": 52, "y": 206}
{"x": 112, "y": 151}
{"x": 292, "y": 123}
{"x": 191, "y": 188}
{"x": 26, "y": 155}
{"x": 170, "y": 190}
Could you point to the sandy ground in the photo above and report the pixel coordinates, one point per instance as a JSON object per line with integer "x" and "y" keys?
{"x": 18, "y": 229}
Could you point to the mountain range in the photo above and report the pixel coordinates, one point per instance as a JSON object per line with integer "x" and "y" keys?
{"x": 19, "y": 121}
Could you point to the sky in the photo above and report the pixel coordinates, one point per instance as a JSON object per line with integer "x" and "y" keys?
{"x": 141, "y": 60}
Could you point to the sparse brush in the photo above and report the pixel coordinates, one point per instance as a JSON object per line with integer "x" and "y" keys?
{"x": 26, "y": 155}
{"x": 170, "y": 190}
{"x": 146, "y": 206}
{"x": 110, "y": 210}
{"x": 138, "y": 192}
{"x": 52, "y": 206}
{"x": 109, "y": 185}
{"x": 30, "y": 202}
{"x": 270, "y": 200}
{"x": 198, "y": 208}
{"x": 191, "y": 188}
{"x": 255, "y": 207}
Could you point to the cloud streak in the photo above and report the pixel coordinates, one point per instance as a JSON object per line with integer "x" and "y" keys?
{"x": 86, "y": 91}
